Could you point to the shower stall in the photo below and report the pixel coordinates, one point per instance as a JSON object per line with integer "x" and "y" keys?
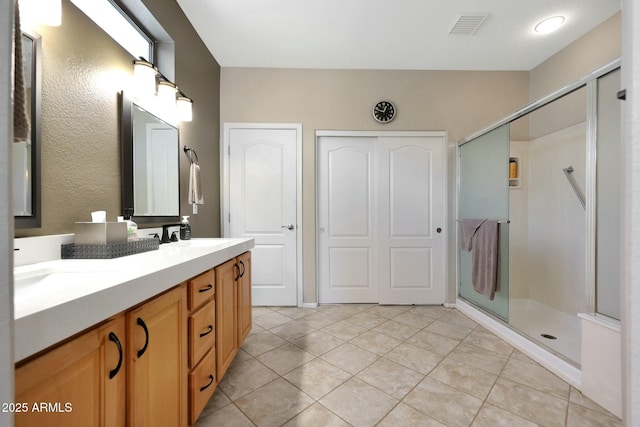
{"x": 549, "y": 174}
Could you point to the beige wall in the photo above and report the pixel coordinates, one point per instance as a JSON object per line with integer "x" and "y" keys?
{"x": 459, "y": 102}
{"x": 83, "y": 71}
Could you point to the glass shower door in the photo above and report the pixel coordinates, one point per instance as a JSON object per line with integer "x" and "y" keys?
{"x": 484, "y": 193}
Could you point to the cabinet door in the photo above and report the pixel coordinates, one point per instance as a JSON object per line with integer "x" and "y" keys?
{"x": 157, "y": 362}
{"x": 226, "y": 322}
{"x": 244, "y": 297}
{"x": 79, "y": 384}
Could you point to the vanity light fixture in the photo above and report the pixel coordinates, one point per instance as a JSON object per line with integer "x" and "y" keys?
{"x": 184, "y": 107}
{"x": 144, "y": 76}
{"x": 151, "y": 84}
{"x": 549, "y": 25}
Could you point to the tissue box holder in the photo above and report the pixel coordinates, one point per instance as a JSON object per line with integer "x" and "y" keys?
{"x": 99, "y": 233}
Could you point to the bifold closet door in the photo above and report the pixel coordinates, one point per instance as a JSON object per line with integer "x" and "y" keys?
{"x": 346, "y": 219}
{"x": 381, "y": 208}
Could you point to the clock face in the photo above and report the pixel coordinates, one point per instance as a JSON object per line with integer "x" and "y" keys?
{"x": 384, "y": 111}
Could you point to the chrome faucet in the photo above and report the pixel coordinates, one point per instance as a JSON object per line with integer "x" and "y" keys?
{"x": 165, "y": 233}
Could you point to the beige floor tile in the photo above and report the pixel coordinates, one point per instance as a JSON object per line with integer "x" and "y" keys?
{"x": 416, "y": 358}
{"x": 575, "y": 396}
{"x": 366, "y": 320}
{"x": 394, "y": 379}
{"x": 229, "y": 416}
{"x": 318, "y": 342}
{"x": 444, "y": 403}
{"x": 396, "y": 329}
{"x": 375, "y": 342}
{"x": 412, "y": 319}
{"x": 245, "y": 377}
{"x": 296, "y": 312}
{"x": 260, "y": 311}
{"x": 271, "y": 320}
{"x": 274, "y": 404}
{"x": 218, "y": 401}
{"x": 350, "y": 358}
{"x": 261, "y": 343}
{"x": 388, "y": 311}
{"x": 579, "y": 416}
{"x": 482, "y": 338}
{"x": 433, "y": 342}
{"x": 457, "y": 318}
{"x": 255, "y": 329}
{"x": 406, "y": 416}
{"x": 464, "y": 377}
{"x": 319, "y": 320}
{"x": 432, "y": 311}
{"x": 316, "y": 415}
{"x": 292, "y": 330}
{"x": 536, "y": 377}
{"x": 448, "y": 329}
{"x": 241, "y": 356}
{"x": 517, "y": 354}
{"x": 479, "y": 358}
{"x": 492, "y": 416}
{"x": 317, "y": 378}
{"x": 344, "y": 330}
{"x": 285, "y": 358}
{"x": 359, "y": 403}
{"x": 528, "y": 403}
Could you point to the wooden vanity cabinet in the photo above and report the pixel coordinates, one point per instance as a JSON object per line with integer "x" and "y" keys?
{"x": 157, "y": 364}
{"x": 233, "y": 309}
{"x": 80, "y": 383}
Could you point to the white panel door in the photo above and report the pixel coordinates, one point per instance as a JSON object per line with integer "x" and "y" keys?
{"x": 411, "y": 217}
{"x": 262, "y": 203}
{"x": 346, "y": 218}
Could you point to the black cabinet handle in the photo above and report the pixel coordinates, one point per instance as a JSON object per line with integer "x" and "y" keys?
{"x": 206, "y": 288}
{"x": 243, "y": 269}
{"x": 207, "y": 332}
{"x": 237, "y": 267}
{"x": 141, "y": 323}
{"x": 211, "y": 379}
{"x": 113, "y": 337}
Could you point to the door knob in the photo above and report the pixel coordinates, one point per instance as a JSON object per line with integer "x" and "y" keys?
{"x": 438, "y": 230}
{"x": 288, "y": 227}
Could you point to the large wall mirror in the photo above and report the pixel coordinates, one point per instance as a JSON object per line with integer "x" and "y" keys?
{"x": 150, "y": 165}
{"x": 26, "y": 154}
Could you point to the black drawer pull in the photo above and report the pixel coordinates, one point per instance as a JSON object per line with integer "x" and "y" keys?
{"x": 206, "y": 288}
{"x": 243, "y": 269}
{"x": 209, "y": 330}
{"x": 211, "y": 379}
{"x": 141, "y": 323}
{"x": 113, "y": 337}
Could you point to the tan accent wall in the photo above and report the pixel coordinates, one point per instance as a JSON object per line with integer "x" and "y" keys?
{"x": 83, "y": 70}
{"x": 460, "y": 102}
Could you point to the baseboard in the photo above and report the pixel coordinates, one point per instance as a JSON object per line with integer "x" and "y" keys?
{"x": 309, "y": 305}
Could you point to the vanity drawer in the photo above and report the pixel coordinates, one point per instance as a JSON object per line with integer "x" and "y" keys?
{"x": 201, "y": 332}
{"x": 202, "y": 384}
{"x": 200, "y": 289}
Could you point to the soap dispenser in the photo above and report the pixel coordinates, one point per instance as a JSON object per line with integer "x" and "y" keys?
{"x": 185, "y": 228}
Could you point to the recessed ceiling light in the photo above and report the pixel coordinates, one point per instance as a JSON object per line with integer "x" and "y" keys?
{"x": 549, "y": 25}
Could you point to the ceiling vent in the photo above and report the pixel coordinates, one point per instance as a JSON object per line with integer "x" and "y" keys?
{"x": 468, "y": 24}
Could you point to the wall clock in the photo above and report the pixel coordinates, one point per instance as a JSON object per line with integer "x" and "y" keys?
{"x": 384, "y": 112}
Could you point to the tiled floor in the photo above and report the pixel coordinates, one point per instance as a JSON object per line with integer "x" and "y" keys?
{"x": 366, "y": 365}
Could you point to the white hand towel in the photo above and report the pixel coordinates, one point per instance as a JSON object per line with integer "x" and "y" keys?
{"x": 195, "y": 189}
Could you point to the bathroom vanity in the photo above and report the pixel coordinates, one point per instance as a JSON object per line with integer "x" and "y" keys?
{"x": 141, "y": 340}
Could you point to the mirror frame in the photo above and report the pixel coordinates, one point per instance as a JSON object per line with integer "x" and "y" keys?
{"x": 35, "y": 219}
{"x": 126, "y": 136}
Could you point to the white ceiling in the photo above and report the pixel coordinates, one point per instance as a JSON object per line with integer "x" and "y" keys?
{"x": 387, "y": 34}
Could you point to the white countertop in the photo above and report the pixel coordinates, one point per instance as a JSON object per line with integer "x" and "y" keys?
{"x": 56, "y": 299}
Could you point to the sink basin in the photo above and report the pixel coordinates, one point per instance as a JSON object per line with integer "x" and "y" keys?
{"x": 194, "y": 243}
{"x": 70, "y": 273}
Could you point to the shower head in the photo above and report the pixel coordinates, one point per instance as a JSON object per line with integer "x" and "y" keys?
{"x": 568, "y": 169}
